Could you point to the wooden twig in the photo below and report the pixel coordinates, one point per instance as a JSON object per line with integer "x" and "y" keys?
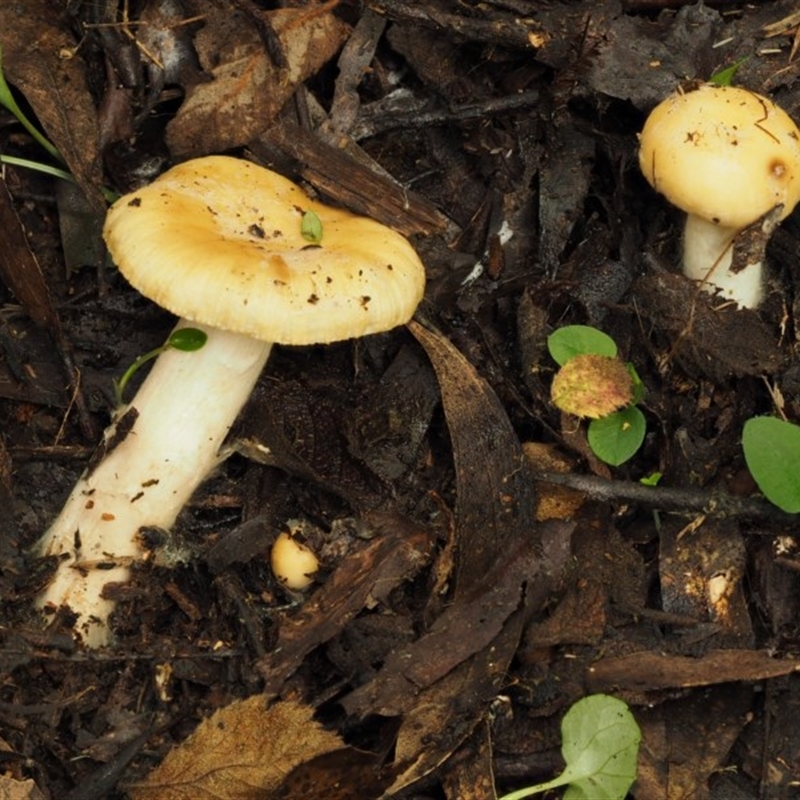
{"x": 674, "y": 500}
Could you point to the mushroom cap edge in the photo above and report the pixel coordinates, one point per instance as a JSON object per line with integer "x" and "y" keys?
{"x": 216, "y": 240}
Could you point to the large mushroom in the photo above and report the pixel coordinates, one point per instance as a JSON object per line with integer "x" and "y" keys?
{"x": 218, "y": 242}
{"x": 730, "y": 159}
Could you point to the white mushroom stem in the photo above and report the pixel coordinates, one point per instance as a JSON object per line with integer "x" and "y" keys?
{"x": 707, "y": 258}
{"x": 186, "y": 407}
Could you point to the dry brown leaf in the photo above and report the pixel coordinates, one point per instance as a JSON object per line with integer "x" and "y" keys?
{"x": 19, "y": 268}
{"x": 248, "y": 90}
{"x": 18, "y": 790}
{"x": 34, "y": 43}
{"x": 552, "y": 502}
{"x": 496, "y": 497}
{"x": 468, "y": 774}
{"x": 687, "y": 741}
{"x": 243, "y": 752}
{"x": 705, "y": 339}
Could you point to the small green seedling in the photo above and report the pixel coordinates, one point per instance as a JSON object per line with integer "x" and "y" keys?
{"x": 772, "y": 452}
{"x": 311, "y": 227}
{"x": 653, "y": 479}
{"x": 725, "y": 76}
{"x": 600, "y": 745}
{"x": 593, "y": 383}
{"x": 7, "y": 101}
{"x": 186, "y": 340}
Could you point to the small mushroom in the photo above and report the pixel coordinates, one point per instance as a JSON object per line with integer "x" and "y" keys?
{"x": 293, "y": 563}
{"x": 730, "y": 159}
{"x": 218, "y": 242}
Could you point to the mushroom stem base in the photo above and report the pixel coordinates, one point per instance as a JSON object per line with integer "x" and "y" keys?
{"x": 181, "y": 416}
{"x": 708, "y": 256}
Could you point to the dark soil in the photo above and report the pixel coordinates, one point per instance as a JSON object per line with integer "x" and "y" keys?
{"x": 482, "y": 569}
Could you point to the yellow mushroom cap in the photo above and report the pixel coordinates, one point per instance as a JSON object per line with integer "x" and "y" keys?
{"x": 293, "y": 563}
{"x": 723, "y": 153}
{"x": 217, "y": 240}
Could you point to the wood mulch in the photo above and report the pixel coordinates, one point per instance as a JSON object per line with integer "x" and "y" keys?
{"x": 482, "y": 570}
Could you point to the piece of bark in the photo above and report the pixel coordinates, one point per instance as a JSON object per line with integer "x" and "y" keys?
{"x": 647, "y": 671}
{"x": 341, "y": 177}
{"x": 398, "y": 552}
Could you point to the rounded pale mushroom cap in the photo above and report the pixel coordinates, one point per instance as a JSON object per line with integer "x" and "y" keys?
{"x": 723, "y": 153}
{"x": 218, "y": 241}
{"x": 293, "y": 564}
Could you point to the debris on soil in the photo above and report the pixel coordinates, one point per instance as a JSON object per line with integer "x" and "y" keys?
{"x": 480, "y": 569}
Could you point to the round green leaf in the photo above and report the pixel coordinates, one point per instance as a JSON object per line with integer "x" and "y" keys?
{"x": 615, "y": 438}
{"x": 772, "y": 452}
{"x": 187, "y": 339}
{"x": 577, "y": 340}
{"x": 600, "y": 747}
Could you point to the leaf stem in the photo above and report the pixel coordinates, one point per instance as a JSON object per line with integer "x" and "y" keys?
{"x": 7, "y": 99}
{"x": 109, "y": 195}
{"x": 119, "y": 385}
{"x": 187, "y": 340}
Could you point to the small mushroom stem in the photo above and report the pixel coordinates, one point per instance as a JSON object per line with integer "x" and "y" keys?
{"x": 708, "y": 258}
{"x": 182, "y": 414}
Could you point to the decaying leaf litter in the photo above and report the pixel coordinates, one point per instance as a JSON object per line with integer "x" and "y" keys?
{"x": 464, "y": 603}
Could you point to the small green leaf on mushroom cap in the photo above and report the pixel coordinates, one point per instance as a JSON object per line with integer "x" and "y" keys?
{"x": 218, "y": 241}
{"x": 311, "y": 227}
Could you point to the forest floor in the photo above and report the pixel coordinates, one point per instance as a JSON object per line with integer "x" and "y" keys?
{"x": 482, "y": 570}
